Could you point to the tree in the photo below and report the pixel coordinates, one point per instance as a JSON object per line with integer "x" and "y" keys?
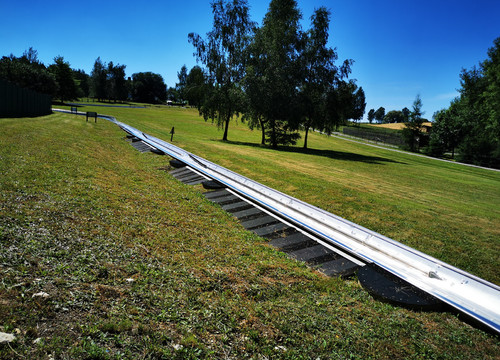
{"x": 379, "y": 114}
{"x": 223, "y": 54}
{"x": 406, "y": 114}
{"x": 67, "y": 89}
{"x": 195, "y": 86}
{"x": 98, "y": 80}
{"x": 319, "y": 72}
{"x": 273, "y": 73}
{"x": 172, "y": 94}
{"x": 394, "y": 116}
{"x": 107, "y": 81}
{"x": 344, "y": 101}
{"x": 491, "y": 71}
{"x": 27, "y": 72}
{"x": 480, "y": 111}
{"x": 31, "y": 56}
{"x": 334, "y": 109}
{"x": 359, "y": 105}
{"x": 371, "y": 115}
{"x": 447, "y": 131}
{"x": 255, "y": 90}
{"x": 255, "y": 120}
{"x": 471, "y": 124}
{"x": 181, "y": 85}
{"x": 148, "y": 87}
{"x": 116, "y": 83}
{"x": 82, "y": 82}
{"x": 412, "y": 132}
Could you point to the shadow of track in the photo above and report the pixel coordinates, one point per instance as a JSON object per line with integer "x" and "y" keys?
{"x": 332, "y": 154}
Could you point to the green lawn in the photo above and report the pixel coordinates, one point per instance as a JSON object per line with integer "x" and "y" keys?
{"x": 447, "y": 210}
{"x": 82, "y": 213}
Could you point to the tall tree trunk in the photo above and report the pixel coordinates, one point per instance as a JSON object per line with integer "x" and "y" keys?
{"x": 274, "y": 141}
{"x": 263, "y": 128}
{"x": 305, "y": 137}
{"x": 226, "y": 127}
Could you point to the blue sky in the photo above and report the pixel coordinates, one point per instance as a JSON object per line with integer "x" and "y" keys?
{"x": 400, "y": 48}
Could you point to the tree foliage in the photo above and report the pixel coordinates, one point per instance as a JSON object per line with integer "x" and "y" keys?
{"x": 82, "y": 80}
{"x": 148, "y": 87}
{"x": 98, "y": 80}
{"x": 406, "y": 114}
{"x": 358, "y": 105}
{"x": 371, "y": 115}
{"x": 273, "y": 74}
{"x": 180, "y": 87}
{"x": 172, "y": 94}
{"x": 107, "y": 81}
{"x": 319, "y": 75}
{"x": 116, "y": 88}
{"x": 345, "y": 101}
{"x": 447, "y": 131}
{"x": 379, "y": 114}
{"x": 471, "y": 124}
{"x": 412, "y": 132}
{"x": 28, "y": 72}
{"x": 318, "y": 71}
{"x": 223, "y": 53}
{"x": 394, "y": 116}
{"x": 195, "y": 86}
{"x": 58, "y": 79}
{"x": 67, "y": 89}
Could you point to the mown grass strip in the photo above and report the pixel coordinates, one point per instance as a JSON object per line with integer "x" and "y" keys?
{"x": 139, "y": 265}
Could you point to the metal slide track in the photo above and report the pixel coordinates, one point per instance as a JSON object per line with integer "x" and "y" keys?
{"x": 465, "y": 292}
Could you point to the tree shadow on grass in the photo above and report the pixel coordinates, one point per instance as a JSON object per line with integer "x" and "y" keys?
{"x": 332, "y": 154}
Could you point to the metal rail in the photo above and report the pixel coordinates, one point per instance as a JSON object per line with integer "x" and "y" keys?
{"x": 465, "y": 292}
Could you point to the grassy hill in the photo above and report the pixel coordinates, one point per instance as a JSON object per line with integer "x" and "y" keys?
{"x": 396, "y": 126}
{"x": 138, "y": 265}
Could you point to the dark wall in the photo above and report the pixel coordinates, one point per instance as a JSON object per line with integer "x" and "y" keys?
{"x": 20, "y": 102}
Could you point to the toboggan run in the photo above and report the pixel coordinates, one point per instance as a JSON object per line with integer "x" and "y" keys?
{"x": 386, "y": 268}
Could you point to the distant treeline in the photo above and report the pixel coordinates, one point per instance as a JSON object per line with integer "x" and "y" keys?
{"x": 393, "y": 116}
{"x": 106, "y": 82}
{"x": 281, "y": 79}
{"x": 470, "y": 127}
